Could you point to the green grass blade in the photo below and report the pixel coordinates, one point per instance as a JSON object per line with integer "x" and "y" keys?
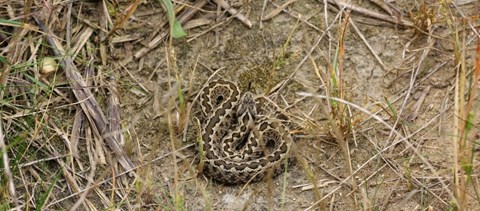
{"x": 44, "y": 197}
{"x": 176, "y": 29}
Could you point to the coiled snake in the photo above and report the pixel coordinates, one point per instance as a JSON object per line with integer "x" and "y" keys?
{"x": 239, "y": 145}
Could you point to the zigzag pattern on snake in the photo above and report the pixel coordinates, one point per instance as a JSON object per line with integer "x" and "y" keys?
{"x": 239, "y": 145}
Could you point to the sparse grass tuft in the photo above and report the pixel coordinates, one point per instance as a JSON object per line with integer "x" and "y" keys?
{"x": 465, "y": 187}
{"x": 339, "y": 117}
{"x": 64, "y": 122}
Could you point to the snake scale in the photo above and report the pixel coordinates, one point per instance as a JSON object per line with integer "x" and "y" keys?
{"x": 239, "y": 145}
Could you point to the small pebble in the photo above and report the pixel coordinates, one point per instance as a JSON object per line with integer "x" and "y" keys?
{"x": 49, "y": 66}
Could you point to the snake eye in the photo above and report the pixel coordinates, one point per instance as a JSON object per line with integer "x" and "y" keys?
{"x": 219, "y": 99}
{"x": 270, "y": 143}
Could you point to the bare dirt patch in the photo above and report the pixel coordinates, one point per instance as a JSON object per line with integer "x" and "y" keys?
{"x": 398, "y": 80}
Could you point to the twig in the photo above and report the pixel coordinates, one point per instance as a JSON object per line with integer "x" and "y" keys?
{"x": 463, "y": 2}
{"x": 234, "y": 12}
{"x": 23, "y": 165}
{"x": 369, "y": 13}
{"x": 367, "y": 44}
{"x": 290, "y": 77}
{"x": 320, "y": 184}
{"x": 262, "y": 13}
{"x": 298, "y": 16}
{"x": 388, "y": 8}
{"x": 418, "y": 104}
{"x": 206, "y": 31}
{"x": 413, "y": 78}
{"x": 183, "y": 18}
{"x": 469, "y": 23}
{"x": 277, "y": 10}
{"x": 113, "y": 109}
{"x": 6, "y": 167}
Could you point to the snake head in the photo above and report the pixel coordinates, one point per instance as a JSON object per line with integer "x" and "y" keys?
{"x": 247, "y": 105}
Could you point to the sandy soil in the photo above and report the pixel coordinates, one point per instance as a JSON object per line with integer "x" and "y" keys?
{"x": 396, "y": 179}
{"x": 409, "y": 87}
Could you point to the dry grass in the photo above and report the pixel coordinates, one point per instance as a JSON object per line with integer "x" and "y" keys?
{"x": 84, "y": 124}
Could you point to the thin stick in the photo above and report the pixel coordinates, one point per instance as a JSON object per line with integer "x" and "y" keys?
{"x": 234, "y": 12}
{"x": 387, "y": 7}
{"x": 367, "y": 44}
{"x": 280, "y": 87}
{"x": 369, "y": 13}
{"x": 297, "y": 16}
{"x": 277, "y": 10}
{"x": 6, "y": 167}
{"x": 183, "y": 18}
{"x": 413, "y": 78}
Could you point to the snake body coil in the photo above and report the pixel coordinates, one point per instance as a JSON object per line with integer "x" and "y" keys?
{"x": 239, "y": 145}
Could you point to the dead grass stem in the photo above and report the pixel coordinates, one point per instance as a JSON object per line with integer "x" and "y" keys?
{"x": 55, "y": 129}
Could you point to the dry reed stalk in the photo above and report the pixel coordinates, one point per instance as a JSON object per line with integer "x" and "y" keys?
{"x": 88, "y": 104}
{"x": 367, "y": 12}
